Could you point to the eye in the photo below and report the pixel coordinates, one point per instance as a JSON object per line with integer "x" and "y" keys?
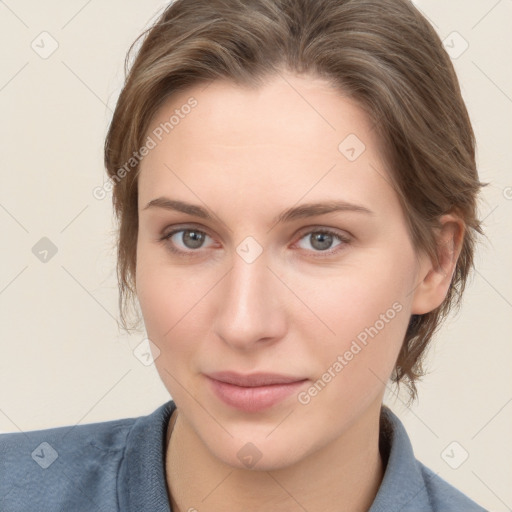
{"x": 185, "y": 240}
{"x": 321, "y": 240}
{"x": 188, "y": 241}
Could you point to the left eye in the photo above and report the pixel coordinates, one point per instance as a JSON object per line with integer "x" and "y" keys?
{"x": 322, "y": 240}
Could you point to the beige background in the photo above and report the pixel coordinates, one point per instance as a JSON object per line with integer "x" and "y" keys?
{"x": 62, "y": 358}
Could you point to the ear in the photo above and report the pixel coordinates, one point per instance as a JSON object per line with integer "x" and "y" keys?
{"x": 434, "y": 281}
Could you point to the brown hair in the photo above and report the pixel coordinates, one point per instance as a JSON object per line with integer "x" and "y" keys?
{"x": 381, "y": 53}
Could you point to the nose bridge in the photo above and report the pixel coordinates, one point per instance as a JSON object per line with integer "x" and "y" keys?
{"x": 248, "y": 308}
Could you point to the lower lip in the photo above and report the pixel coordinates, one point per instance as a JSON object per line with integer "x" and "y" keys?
{"x": 253, "y": 399}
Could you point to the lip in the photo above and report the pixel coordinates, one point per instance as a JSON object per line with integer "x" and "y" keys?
{"x": 254, "y": 392}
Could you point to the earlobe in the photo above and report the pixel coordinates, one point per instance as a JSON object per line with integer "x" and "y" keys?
{"x": 434, "y": 278}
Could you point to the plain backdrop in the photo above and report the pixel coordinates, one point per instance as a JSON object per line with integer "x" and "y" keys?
{"x": 63, "y": 360}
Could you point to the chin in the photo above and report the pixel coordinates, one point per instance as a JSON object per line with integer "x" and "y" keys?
{"x": 260, "y": 453}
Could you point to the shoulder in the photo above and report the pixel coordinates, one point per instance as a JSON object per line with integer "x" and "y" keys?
{"x": 444, "y": 496}
{"x": 408, "y": 485}
{"x": 64, "y": 465}
{"x": 68, "y": 468}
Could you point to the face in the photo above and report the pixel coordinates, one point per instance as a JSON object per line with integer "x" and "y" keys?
{"x": 238, "y": 272}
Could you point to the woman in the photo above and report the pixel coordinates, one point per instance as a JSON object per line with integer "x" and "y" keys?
{"x": 296, "y": 188}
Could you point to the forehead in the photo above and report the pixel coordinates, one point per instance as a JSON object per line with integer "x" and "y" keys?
{"x": 288, "y": 109}
{"x": 289, "y": 133}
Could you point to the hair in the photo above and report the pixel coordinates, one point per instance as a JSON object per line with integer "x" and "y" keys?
{"x": 383, "y": 54}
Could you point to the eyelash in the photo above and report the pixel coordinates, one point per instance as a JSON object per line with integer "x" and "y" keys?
{"x": 316, "y": 254}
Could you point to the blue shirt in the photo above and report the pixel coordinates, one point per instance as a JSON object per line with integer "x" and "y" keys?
{"x": 120, "y": 466}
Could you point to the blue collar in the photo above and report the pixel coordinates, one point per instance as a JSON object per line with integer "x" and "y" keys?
{"x": 407, "y": 486}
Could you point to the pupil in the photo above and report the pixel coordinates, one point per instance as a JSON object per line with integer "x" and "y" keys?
{"x": 324, "y": 241}
{"x": 192, "y": 239}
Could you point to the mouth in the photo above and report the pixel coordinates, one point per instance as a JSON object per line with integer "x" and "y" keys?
{"x": 254, "y": 392}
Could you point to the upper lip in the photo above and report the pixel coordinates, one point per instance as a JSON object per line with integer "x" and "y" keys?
{"x": 254, "y": 379}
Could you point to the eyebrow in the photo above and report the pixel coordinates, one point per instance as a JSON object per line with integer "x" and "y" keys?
{"x": 297, "y": 212}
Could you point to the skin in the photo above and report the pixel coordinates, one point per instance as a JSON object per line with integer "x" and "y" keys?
{"x": 247, "y": 155}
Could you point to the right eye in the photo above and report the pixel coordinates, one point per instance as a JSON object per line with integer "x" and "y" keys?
{"x": 185, "y": 240}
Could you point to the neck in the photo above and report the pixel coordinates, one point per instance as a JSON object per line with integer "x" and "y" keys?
{"x": 343, "y": 476}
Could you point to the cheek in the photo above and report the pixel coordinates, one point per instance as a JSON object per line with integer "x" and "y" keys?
{"x": 164, "y": 292}
{"x": 353, "y": 296}
{"x": 174, "y": 304}
{"x": 167, "y": 307}
{"x": 367, "y": 310}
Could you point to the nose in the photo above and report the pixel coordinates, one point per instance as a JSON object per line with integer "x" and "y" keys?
{"x": 251, "y": 309}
